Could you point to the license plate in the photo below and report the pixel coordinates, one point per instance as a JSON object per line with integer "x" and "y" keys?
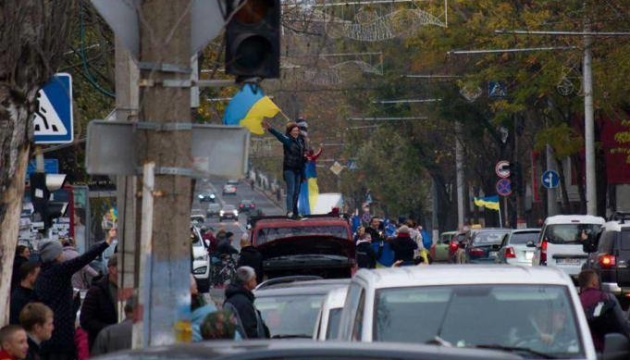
{"x": 492, "y": 254}
{"x": 568, "y": 261}
{"x": 529, "y": 255}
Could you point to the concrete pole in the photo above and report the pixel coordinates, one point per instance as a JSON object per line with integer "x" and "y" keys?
{"x": 165, "y": 35}
{"x": 589, "y": 127}
{"x": 459, "y": 168}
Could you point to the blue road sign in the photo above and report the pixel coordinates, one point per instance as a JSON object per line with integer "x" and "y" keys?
{"x": 550, "y": 179}
{"x": 52, "y": 122}
{"x": 504, "y": 187}
{"x": 51, "y": 166}
{"x": 497, "y": 89}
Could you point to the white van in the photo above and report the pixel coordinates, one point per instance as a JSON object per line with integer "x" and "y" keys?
{"x": 560, "y": 242}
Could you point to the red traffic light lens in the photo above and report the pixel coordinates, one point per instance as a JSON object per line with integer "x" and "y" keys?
{"x": 253, "y": 11}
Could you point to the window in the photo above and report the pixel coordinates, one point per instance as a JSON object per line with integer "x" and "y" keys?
{"x": 273, "y": 233}
{"x": 352, "y": 302}
{"x": 569, "y": 233}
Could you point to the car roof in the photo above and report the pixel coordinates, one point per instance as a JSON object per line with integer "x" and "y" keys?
{"x": 462, "y": 275}
{"x": 574, "y": 219}
{"x": 312, "y": 287}
{"x": 526, "y": 230}
{"x": 336, "y": 297}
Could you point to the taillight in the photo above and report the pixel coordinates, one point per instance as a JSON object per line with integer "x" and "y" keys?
{"x": 477, "y": 252}
{"x": 509, "y": 252}
{"x": 453, "y": 245}
{"x": 607, "y": 261}
{"x": 543, "y": 252}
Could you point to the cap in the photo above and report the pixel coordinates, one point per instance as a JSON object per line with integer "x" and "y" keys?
{"x": 403, "y": 229}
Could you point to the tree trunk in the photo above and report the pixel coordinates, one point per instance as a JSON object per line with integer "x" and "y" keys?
{"x": 33, "y": 36}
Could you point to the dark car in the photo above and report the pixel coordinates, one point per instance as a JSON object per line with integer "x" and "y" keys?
{"x": 246, "y": 205}
{"x": 213, "y": 209}
{"x": 228, "y": 212}
{"x": 484, "y": 245}
{"x": 207, "y": 197}
{"x": 317, "y": 245}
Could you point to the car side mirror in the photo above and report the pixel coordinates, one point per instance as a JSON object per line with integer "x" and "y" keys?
{"x": 530, "y": 244}
{"x": 616, "y": 346}
{"x": 496, "y": 247}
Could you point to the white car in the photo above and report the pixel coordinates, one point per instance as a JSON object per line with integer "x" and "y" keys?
{"x": 521, "y": 310}
{"x": 201, "y": 260}
{"x": 329, "y": 316}
{"x": 560, "y": 242}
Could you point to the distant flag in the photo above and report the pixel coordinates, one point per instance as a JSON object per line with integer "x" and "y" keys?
{"x": 309, "y": 191}
{"x": 248, "y": 108}
{"x": 489, "y": 202}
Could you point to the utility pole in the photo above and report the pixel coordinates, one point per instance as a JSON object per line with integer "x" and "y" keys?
{"x": 589, "y": 125}
{"x": 459, "y": 169}
{"x": 165, "y": 38}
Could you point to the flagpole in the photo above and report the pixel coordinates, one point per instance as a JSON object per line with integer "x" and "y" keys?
{"x": 500, "y": 216}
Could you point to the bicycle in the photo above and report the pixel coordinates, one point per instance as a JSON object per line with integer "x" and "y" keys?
{"x": 222, "y": 270}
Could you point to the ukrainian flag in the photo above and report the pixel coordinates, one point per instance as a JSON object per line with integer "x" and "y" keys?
{"x": 248, "y": 107}
{"x": 489, "y": 202}
{"x": 309, "y": 190}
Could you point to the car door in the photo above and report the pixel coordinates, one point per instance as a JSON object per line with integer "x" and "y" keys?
{"x": 501, "y": 253}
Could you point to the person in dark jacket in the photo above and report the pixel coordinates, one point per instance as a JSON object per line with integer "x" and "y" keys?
{"x": 54, "y": 288}
{"x": 24, "y": 293}
{"x": 22, "y": 254}
{"x": 240, "y": 299}
{"x": 366, "y": 256}
{"x": 99, "y": 307}
{"x": 590, "y": 295}
{"x": 293, "y": 165}
{"x": 404, "y": 246}
{"x": 37, "y": 319}
{"x": 225, "y": 245}
{"x": 116, "y": 337}
{"x": 250, "y": 256}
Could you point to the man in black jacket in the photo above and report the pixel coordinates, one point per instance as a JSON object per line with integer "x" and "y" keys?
{"x": 240, "y": 299}
{"x": 404, "y": 246}
{"x": 54, "y": 288}
{"x": 24, "y": 293}
{"x": 250, "y": 256}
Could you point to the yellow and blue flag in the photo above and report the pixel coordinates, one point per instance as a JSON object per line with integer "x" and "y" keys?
{"x": 489, "y": 202}
{"x": 309, "y": 190}
{"x": 248, "y": 108}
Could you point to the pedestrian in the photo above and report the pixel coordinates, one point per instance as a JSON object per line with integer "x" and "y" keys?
{"x": 22, "y": 254}
{"x": 100, "y": 305}
{"x": 82, "y": 279}
{"x": 24, "y": 292}
{"x": 199, "y": 308}
{"x": 37, "y": 320}
{"x": 250, "y": 256}
{"x": 365, "y": 254}
{"x": 403, "y": 246}
{"x": 54, "y": 288}
{"x": 220, "y": 325}
{"x": 224, "y": 247}
{"x": 610, "y": 317}
{"x": 294, "y": 146}
{"x": 14, "y": 343}
{"x": 116, "y": 337}
{"x": 240, "y": 300}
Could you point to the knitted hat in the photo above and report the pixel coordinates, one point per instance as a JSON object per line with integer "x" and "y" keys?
{"x": 49, "y": 250}
{"x": 403, "y": 229}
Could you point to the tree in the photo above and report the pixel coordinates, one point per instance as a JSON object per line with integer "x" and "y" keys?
{"x": 33, "y": 36}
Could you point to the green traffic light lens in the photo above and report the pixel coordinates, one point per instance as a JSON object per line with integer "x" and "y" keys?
{"x": 252, "y": 53}
{"x": 253, "y": 11}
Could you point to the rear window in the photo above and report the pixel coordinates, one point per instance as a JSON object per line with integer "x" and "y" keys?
{"x": 487, "y": 238}
{"x": 273, "y": 233}
{"x": 523, "y": 238}
{"x": 569, "y": 233}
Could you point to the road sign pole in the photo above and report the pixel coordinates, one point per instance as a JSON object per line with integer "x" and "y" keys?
{"x": 552, "y": 204}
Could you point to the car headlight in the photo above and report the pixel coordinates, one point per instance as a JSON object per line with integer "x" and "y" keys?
{"x": 200, "y": 270}
{"x": 212, "y": 196}
{"x": 235, "y": 212}
{"x": 221, "y": 212}
{"x": 200, "y": 196}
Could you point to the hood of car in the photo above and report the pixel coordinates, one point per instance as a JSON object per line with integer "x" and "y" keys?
{"x": 307, "y": 245}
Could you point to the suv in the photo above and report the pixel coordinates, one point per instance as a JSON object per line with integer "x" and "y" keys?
{"x": 318, "y": 245}
{"x": 200, "y": 260}
{"x": 609, "y": 254}
{"x": 561, "y": 239}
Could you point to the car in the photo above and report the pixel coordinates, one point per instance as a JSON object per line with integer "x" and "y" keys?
{"x": 303, "y": 349}
{"x": 560, "y": 242}
{"x": 201, "y": 260}
{"x": 517, "y": 247}
{"x": 484, "y": 306}
{"x": 440, "y": 250}
{"x": 197, "y": 217}
{"x": 213, "y": 209}
{"x": 290, "y": 309}
{"x": 229, "y": 189}
{"x": 228, "y": 212}
{"x": 317, "y": 245}
{"x": 246, "y": 205}
{"x": 484, "y": 245}
{"x": 609, "y": 255}
{"x": 233, "y": 181}
{"x": 330, "y": 314}
{"x": 207, "y": 197}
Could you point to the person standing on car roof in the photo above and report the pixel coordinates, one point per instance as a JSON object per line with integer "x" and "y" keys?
{"x": 294, "y": 145}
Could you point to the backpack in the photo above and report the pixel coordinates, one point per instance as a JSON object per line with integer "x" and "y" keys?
{"x": 601, "y": 317}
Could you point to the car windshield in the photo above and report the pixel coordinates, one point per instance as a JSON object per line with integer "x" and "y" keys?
{"x": 333, "y": 323}
{"x": 522, "y": 238}
{"x": 228, "y": 208}
{"x": 489, "y": 237}
{"x": 290, "y": 315}
{"x": 569, "y": 233}
{"x": 273, "y": 233}
{"x": 473, "y": 315}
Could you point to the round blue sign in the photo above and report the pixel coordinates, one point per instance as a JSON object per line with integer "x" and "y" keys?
{"x": 504, "y": 187}
{"x": 550, "y": 179}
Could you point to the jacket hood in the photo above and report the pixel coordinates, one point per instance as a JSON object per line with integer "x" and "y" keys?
{"x": 232, "y": 290}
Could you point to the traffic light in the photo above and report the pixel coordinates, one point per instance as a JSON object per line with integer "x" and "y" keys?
{"x": 252, "y": 39}
{"x": 46, "y": 205}
{"x": 516, "y": 178}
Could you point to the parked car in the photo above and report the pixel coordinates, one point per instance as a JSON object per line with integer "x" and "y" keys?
{"x": 560, "y": 242}
{"x": 213, "y": 209}
{"x": 201, "y": 260}
{"x": 484, "y": 245}
{"x": 290, "y": 309}
{"x": 330, "y": 314}
{"x": 228, "y": 212}
{"x": 440, "y": 249}
{"x": 246, "y": 205}
{"x": 229, "y": 189}
{"x": 609, "y": 255}
{"x": 486, "y": 306}
{"x": 517, "y": 247}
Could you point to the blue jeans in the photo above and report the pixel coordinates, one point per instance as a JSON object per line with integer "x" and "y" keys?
{"x": 294, "y": 180}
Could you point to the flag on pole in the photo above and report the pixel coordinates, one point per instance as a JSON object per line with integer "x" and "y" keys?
{"x": 248, "y": 108}
{"x": 489, "y": 202}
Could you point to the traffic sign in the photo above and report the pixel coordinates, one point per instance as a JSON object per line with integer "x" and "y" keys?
{"x": 550, "y": 179}
{"x": 52, "y": 123}
{"x": 504, "y": 187}
{"x": 502, "y": 169}
{"x": 497, "y": 89}
{"x": 51, "y": 166}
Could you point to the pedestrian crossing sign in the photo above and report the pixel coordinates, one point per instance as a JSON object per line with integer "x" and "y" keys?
{"x": 52, "y": 122}
{"x": 497, "y": 89}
